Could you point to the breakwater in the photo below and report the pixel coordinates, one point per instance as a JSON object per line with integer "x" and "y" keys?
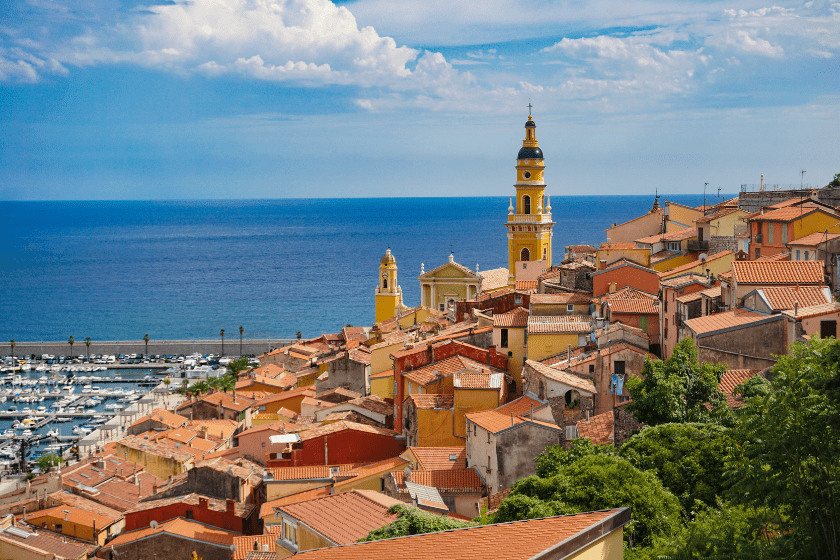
{"x": 250, "y": 347}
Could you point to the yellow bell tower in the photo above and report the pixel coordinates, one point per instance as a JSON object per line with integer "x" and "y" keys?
{"x": 529, "y": 219}
{"x": 388, "y": 292}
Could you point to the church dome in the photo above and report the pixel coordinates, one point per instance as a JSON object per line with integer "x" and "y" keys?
{"x": 530, "y": 152}
{"x": 388, "y": 258}
{"x": 530, "y": 123}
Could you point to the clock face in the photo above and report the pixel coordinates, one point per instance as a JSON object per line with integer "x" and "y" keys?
{"x": 384, "y": 275}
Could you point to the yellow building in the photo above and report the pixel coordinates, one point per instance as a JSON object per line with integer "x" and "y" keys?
{"x": 159, "y": 459}
{"x": 382, "y": 384}
{"x": 509, "y": 337}
{"x": 441, "y": 287}
{"x": 389, "y": 300}
{"x": 529, "y": 220}
{"x": 77, "y": 523}
{"x": 549, "y": 336}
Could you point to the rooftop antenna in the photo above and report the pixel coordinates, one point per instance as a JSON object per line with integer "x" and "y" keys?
{"x": 802, "y": 179}
{"x": 719, "y": 194}
{"x": 704, "y": 197}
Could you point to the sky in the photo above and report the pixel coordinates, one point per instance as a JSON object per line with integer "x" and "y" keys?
{"x": 121, "y": 99}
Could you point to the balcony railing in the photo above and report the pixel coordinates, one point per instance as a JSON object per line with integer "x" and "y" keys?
{"x": 529, "y": 218}
{"x": 695, "y": 245}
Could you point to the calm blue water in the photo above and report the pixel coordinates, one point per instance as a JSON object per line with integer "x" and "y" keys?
{"x": 186, "y": 269}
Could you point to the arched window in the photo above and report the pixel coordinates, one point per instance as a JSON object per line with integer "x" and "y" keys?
{"x": 526, "y": 204}
{"x": 572, "y": 398}
{"x": 545, "y": 253}
{"x": 525, "y": 255}
{"x": 384, "y": 283}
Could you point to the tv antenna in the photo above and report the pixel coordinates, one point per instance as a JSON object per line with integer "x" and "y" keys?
{"x": 802, "y": 179}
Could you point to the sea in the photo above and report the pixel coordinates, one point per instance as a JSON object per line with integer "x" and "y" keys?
{"x": 116, "y": 270}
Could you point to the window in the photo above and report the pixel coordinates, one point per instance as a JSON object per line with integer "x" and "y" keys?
{"x": 58, "y": 527}
{"x": 517, "y": 300}
{"x": 769, "y": 233}
{"x": 806, "y": 255}
{"x": 570, "y": 308}
{"x": 504, "y": 342}
{"x": 572, "y": 398}
{"x": 525, "y": 255}
{"x": 263, "y": 444}
{"x": 545, "y": 254}
{"x": 189, "y": 514}
{"x": 757, "y": 253}
{"x": 442, "y": 307}
{"x": 526, "y": 204}
{"x": 784, "y": 233}
{"x": 797, "y": 255}
{"x": 384, "y": 283}
{"x": 643, "y": 323}
{"x": 618, "y": 365}
{"x": 591, "y": 368}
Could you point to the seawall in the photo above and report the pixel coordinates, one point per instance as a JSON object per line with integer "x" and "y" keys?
{"x": 250, "y": 347}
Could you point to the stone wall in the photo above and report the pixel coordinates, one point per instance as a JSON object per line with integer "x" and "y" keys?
{"x": 517, "y": 450}
{"x": 751, "y": 347}
{"x": 754, "y": 201}
{"x": 569, "y": 416}
{"x": 117, "y": 347}
{"x": 721, "y": 243}
{"x": 624, "y": 424}
{"x": 348, "y": 374}
{"x": 167, "y": 546}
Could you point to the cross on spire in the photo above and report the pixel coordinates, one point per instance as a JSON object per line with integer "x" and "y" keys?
{"x": 529, "y": 107}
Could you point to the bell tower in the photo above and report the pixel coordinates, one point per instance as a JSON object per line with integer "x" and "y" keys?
{"x": 529, "y": 217}
{"x": 388, "y": 292}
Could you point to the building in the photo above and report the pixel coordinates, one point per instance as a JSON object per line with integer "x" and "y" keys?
{"x": 170, "y": 540}
{"x": 529, "y": 219}
{"x": 624, "y": 274}
{"x": 817, "y": 320}
{"x": 77, "y": 523}
{"x": 548, "y": 336}
{"x": 223, "y": 514}
{"x": 502, "y": 443}
{"x": 771, "y": 231}
{"x": 388, "y": 297}
{"x": 670, "y": 317}
{"x": 509, "y": 336}
{"x": 159, "y": 419}
{"x": 582, "y": 536}
{"x": 741, "y": 339}
{"x": 570, "y": 396}
{"x": 460, "y": 489}
{"x": 441, "y": 287}
{"x": 218, "y": 405}
{"x": 22, "y": 541}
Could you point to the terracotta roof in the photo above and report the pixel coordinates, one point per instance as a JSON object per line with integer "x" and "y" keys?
{"x": 560, "y": 299}
{"x": 562, "y": 377}
{"x": 618, "y": 246}
{"x": 788, "y": 214}
{"x": 531, "y": 537}
{"x": 374, "y": 403}
{"x": 447, "y": 480}
{"x": 247, "y": 544}
{"x": 440, "y": 458}
{"x": 217, "y": 427}
{"x": 343, "y": 518}
{"x": 627, "y": 292}
{"x": 499, "y": 419}
{"x": 280, "y": 426}
{"x": 687, "y": 298}
{"x": 518, "y": 317}
{"x": 813, "y": 310}
{"x": 734, "y": 377}
{"x": 268, "y": 508}
{"x": 525, "y": 285}
{"x": 267, "y": 370}
{"x": 719, "y": 214}
{"x": 316, "y": 471}
{"x": 431, "y": 402}
{"x": 693, "y": 264}
{"x": 684, "y": 280}
{"x": 240, "y": 468}
{"x": 580, "y": 248}
{"x": 598, "y": 429}
{"x": 84, "y": 504}
{"x": 574, "y": 324}
{"x": 379, "y": 467}
{"x": 360, "y": 355}
{"x": 44, "y": 541}
{"x": 713, "y": 292}
{"x": 158, "y": 448}
{"x": 432, "y": 372}
{"x": 226, "y": 400}
{"x": 785, "y": 297}
{"x": 470, "y": 380}
{"x": 73, "y": 514}
{"x": 494, "y": 279}
{"x": 720, "y": 321}
{"x": 386, "y": 373}
{"x": 122, "y": 495}
{"x": 778, "y": 272}
{"x": 634, "y": 306}
{"x": 814, "y": 239}
{"x": 342, "y": 425}
{"x": 619, "y": 326}
{"x": 180, "y": 527}
{"x": 286, "y": 395}
{"x": 164, "y": 417}
{"x": 679, "y": 235}
{"x": 240, "y": 510}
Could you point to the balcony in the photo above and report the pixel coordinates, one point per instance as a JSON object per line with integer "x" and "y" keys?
{"x": 529, "y": 218}
{"x": 757, "y": 238}
{"x": 695, "y": 245}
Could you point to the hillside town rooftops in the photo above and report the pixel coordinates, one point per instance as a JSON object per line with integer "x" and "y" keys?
{"x": 778, "y": 272}
{"x": 518, "y": 317}
{"x": 569, "y": 324}
{"x": 563, "y": 377}
{"x": 432, "y": 402}
{"x": 722, "y": 321}
{"x": 440, "y": 458}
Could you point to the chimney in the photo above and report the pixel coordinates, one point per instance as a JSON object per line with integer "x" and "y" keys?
{"x": 154, "y": 489}
{"x": 512, "y": 423}
{"x": 795, "y": 308}
{"x": 230, "y": 506}
{"x": 492, "y": 354}
{"x": 202, "y": 503}
{"x": 603, "y": 265}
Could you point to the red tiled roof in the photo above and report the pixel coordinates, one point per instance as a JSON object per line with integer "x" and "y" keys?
{"x": 690, "y": 278}
{"x": 72, "y": 514}
{"x": 343, "y": 518}
{"x": 440, "y": 458}
{"x": 788, "y": 214}
{"x": 813, "y": 310}
{"x": 785, "y": 297}
{"x": 433, "y": 372}
{"x": 525, "y": 285}
{"x": 499, "y": 419}
{"x": 634, "y": 306}
{"x": 598, "y": 429}
{"x": 519, "y": 540}
{"x": 240, "y": 510}
{"x": 560, "y": 299}
{"x": 518, "y": 317}
{"x": 430, "y": 402}
{"x": 734, "y": 377}
{"x": 719, "y": 321}
{"x": 494, "y": 279}
{"x": 778, "y": 272}
{"x": 617, "y": 246}
{"x": 164, "y": 417}
{"x": 719, "y": 214}
{"x": 180, "y": 527}
{"x": 379, "y": 467}
{"x": 43, "y": 541}
{"x": 342, "y": 425}
{"x": 470, "y": 380}
{"x": 562, "y": 376}
{"x": 679, "y": 235}
{"x": 693, "y": 264}
{"x": 814, "y": 239}
{"x": 447, "y": 480}
{"x": 687, "y": 298}
{"x": 566, "y": 324}
{"x": 316, "y": 471}
{"x": 250, "y": 543}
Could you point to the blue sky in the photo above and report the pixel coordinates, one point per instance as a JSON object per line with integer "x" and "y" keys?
{"x": 118, "y": 99}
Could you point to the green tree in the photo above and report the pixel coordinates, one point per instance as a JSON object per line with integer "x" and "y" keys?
{"x": 687, "y": 458}
{"x": 554, "y": 458}
{"x": 71, "y": 341}
{"x": 47, "y": 460}
{"x": 238, "y": 366}
{"x": 412, "y": 521}
{"x": 146, "y": 340}
{"x": 222, "y": 334}
{"x": 87, "y": 346}
{"x": 597, "y": 482}
{"x": 677, "y": 389}
{"x": 788, "y": 458}
{"x": 298, "y": 335}
{"x": 836, "y": 181}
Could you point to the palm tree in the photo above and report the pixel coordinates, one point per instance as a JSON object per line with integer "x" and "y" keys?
{"x": 71, "y": 341}
{"x": 146, "y": 340}
{"x": 222, "y": 334}
{"x": 241, "y": 330}
{"x": 87, "y": 343}
{"x": 12, "y": 344}
{"x": 298, "y": 335}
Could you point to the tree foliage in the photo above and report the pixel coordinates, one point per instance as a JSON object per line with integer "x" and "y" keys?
{"x": 596, "y": 481}
{"x": 46, "y": 461}
{"x": 554, "y": 458}
{"x": 238, "y": 366}
{"x": 677, "y": 389}
{"x": 836, "y": 181}
{"x": 412, "y": 521}
{"x": 687, "y": 458}
{"x": 788, "y": 459}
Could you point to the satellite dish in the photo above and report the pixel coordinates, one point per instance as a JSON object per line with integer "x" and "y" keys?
{"x": 703, "y": 257}
{"x": 407, "y": 472}
{"x": 233, "y": 548}
{"x": 153, "y": 524}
